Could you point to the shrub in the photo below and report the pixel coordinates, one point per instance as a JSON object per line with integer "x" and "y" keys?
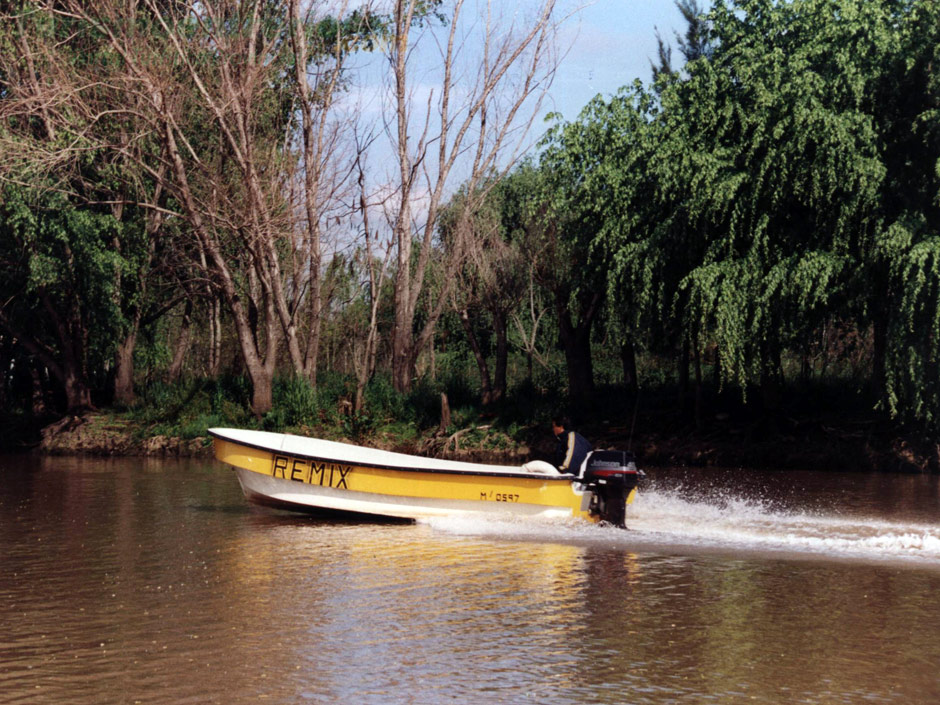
{"x": 295, "y": 403}
{"x": 381, "y": 399}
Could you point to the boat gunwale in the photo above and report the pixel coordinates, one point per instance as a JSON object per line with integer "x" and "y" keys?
{"x": 571, "y": 479}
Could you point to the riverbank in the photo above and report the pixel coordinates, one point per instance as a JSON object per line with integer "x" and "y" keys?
{"x": 111, "y": 435}
{"x": 657, "y": 441}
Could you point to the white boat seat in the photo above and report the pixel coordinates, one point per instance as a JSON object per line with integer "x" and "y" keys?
{"x": 540, "y": 467}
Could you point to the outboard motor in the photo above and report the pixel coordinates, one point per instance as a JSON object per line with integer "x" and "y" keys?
{"x": 611, "y": 476}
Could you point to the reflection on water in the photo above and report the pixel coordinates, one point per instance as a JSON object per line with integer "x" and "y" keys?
{"x": 153, "y": 582}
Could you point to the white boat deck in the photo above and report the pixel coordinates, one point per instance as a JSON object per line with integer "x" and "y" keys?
{"x": 358, "y": 455}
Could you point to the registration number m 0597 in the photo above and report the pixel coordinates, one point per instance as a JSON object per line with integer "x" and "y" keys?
{"x": 499, "y": 496}
{"x": 311, "y": 472}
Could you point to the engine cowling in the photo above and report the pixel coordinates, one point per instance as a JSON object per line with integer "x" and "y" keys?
{"x": 610, "y": 476}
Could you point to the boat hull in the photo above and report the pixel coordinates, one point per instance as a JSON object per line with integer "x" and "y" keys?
{"x": 296, "y": 473}
{"x": 278, "y": 493}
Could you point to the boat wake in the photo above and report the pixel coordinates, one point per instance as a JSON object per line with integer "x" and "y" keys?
{"x": 668, "y": 520}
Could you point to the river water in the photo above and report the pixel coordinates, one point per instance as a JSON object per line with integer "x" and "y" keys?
{"x": 142, "y": 581}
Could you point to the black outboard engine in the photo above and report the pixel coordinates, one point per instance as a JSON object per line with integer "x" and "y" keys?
{"x": 610, "y": 475}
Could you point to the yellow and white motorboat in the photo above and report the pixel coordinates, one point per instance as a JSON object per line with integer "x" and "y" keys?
{"x": 310, "y": 474}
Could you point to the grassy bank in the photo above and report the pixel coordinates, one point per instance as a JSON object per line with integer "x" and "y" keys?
{"x": 819, "y": 427}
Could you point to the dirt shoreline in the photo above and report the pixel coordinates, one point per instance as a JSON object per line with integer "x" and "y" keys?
{"x": 821, "y": 448}
{"x": 104, "y": 435}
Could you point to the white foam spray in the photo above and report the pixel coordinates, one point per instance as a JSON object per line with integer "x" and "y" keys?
{"x": 668, "y": 520}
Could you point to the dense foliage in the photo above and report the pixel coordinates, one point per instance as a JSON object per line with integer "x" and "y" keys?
{"x": 765, "y": 216}
{"x": 785, "y": 183}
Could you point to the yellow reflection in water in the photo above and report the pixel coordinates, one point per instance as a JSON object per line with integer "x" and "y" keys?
{"x": 350, "y": 598}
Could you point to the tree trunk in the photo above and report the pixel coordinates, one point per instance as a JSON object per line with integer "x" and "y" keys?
{"x": 77, "y": 393}
{"x": 486, "y": 386}
{"x": 182, "y": 345}
{"x": 628, "y": 362}
{"x": 123, "y": 391}
{"x": 502, "y": 355}
{"x": 215, "y": 337}
{"x": 38, "y": 404}
{"x": 313, "y": 135}
{"x": 262, "y": 386}
{"x": 879, "y": 355}
{"x": 6, "y": 363}
{"x": 576, "y": 342}
{"x": 770, "y": 384}
{"x": 716, "y": 369}
{"x": 124, "y": 369}
{"x": 402, "y": 336}
{"x": 445, "y": 414}
{"x": 682, "y": 362}
{"x": 699, "y": 391}
{"x": 580, "y": 369}
{"x": 312, "y": 354}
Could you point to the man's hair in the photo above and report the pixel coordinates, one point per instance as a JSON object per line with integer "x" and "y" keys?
{"x": 561, "y": 420}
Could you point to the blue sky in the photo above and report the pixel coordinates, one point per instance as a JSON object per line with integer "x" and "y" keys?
{"x": 612, "y": 43}
{"x": 609, "y": 43}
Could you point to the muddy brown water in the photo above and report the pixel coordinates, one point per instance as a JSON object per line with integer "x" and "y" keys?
{"x": 143, "y": 581}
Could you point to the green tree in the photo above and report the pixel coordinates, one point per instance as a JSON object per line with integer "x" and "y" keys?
{"x": 775, "y": 161}
{"x": 795, "y": 180}
{"x": 902, "y": 256}
{"x": 56, "y": 164}
{"x": 576, "y": 178}
{"x": 58, "y": 270}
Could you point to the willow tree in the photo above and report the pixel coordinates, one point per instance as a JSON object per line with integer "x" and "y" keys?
{"x": 831, "y": 161}
{"x": 777, "y": 161}
{"x": 788, "y": 177}
{"x": 595, "y": 180}
{"x": 903, "y": 255}
{"x": 777, "y": 143}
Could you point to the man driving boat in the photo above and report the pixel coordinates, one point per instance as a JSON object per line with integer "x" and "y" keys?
{"x": 572, "y": 447}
